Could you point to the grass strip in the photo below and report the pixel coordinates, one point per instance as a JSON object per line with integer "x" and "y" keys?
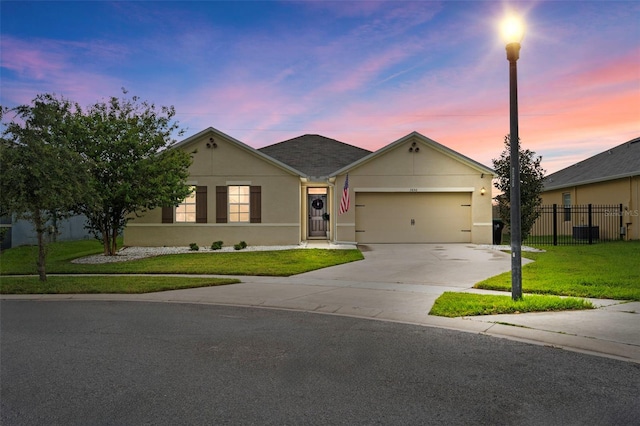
{"x": 454, "y": 304}
{"x": 104, "y": 284}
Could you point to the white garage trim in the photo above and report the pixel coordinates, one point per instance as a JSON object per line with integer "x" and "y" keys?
{"x": 424, "y": 189}
{"x": 412, "y": 217}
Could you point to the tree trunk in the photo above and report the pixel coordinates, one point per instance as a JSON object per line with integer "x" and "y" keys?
{"x": 109, "y": 240}
{"x": 105, "y": 242}
{"x": 114, "y": 241}
{"x": 42, "y": 253}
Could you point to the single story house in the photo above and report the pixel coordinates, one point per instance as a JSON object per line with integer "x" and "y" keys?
{"x": 609, "y": 178}
{"x": 413, "y": 190}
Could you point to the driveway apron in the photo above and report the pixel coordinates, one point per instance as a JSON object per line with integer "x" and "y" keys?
{"x": 397, "y": 282}
{"x": 449, "y": 265}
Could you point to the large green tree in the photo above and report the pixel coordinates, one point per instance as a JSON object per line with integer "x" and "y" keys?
{"x": 126, "y": 146}
{"x": 42, "y": 177}
{"x": 531, "y": 185}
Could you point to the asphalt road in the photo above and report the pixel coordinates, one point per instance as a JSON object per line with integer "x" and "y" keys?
{"x": 132, "y": 363}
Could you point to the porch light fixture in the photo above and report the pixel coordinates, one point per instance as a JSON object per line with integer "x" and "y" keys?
{"x": 512, "y": 30}
{"x": 482, "y": 191}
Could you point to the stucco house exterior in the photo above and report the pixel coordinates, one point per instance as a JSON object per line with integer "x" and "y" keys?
{"x": 611, "y": 177}
{"x": 413, "y": 190}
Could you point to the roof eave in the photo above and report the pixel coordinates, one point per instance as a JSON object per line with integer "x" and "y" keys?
{"x": 590, "y": 181}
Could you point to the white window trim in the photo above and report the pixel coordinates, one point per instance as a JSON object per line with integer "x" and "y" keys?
{"x": 230, "y": 214}
{"x": 185, "y": 205}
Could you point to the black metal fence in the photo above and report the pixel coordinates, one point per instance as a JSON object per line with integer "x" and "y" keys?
{"x": 581, "y": 224}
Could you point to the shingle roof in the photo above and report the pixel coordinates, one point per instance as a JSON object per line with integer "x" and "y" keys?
{"x": 315, "y": 155}
{"x": 615, "y": 163}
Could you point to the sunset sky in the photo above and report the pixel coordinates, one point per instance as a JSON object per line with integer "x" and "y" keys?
{"x": 364, "y": 73}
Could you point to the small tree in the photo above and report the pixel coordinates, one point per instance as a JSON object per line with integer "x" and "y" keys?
{"x": 125, "y": 146}
{"x": 42, "y": 178}
{"x": 531, "y": 177}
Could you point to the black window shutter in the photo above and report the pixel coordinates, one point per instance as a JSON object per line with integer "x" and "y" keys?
{"x": 221, "y": 204}
{"x": 167, "y": 215}
{"x": 255, "y": 204}
{"x": 201, "y": 204}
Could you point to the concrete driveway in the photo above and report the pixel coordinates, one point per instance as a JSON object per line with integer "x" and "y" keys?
{"x": 398, "y": 282}
{"x": 449, "y": 265}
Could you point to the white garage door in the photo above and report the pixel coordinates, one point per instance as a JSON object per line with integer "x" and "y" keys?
{"x": 413, "y": 217}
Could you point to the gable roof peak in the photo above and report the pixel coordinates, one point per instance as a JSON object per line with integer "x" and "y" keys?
{"x": 218, "y": 134}
{"x": 427, "y": 141}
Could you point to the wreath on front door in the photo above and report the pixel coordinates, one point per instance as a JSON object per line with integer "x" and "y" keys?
{"x": 317, "y": 204}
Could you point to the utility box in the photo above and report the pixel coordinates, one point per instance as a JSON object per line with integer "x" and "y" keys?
{"x": 498, "y": 226}
{"x": 582, "y": 232}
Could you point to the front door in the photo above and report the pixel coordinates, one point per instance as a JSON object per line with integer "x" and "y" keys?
{"x": 317, "y": 208}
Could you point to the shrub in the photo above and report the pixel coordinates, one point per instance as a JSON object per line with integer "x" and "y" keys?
{"x": 194, "y": 247}
{"x": 241, "y": 245}
{"x": 216, "y": 245}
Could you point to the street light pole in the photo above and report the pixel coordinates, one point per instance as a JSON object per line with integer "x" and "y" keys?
{"x": 513, "y": 32}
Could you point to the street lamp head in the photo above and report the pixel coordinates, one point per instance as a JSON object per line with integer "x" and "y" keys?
{"x": 512, "y": 29}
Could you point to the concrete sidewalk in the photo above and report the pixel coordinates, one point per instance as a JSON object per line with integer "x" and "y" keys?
{"x": 390, "y": 285}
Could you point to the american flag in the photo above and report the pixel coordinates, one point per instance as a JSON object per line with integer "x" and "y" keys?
{"x": 345, "y": 202}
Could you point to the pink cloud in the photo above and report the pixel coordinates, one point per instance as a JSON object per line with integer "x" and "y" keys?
{"x": 49, "y": 66}
{"x": 29, "y": 60}
{"x": 364, "y": 73}
{"x": 620, "y": 70}
{"x": 350, "y": 9}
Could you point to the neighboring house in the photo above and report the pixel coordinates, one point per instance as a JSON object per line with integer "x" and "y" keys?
{"x": 413, "y": 190}
{"x": 609, "y": 178}
{"x": 21, "y": 232}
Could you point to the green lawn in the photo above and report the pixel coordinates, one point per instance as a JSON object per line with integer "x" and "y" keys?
{"x": 281, "y": 263}
{"x": 104, "y": 284}
{"x": 454, "y": 304}
{"x": 22, "y": 261}
{"x": 605, "y": 271}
